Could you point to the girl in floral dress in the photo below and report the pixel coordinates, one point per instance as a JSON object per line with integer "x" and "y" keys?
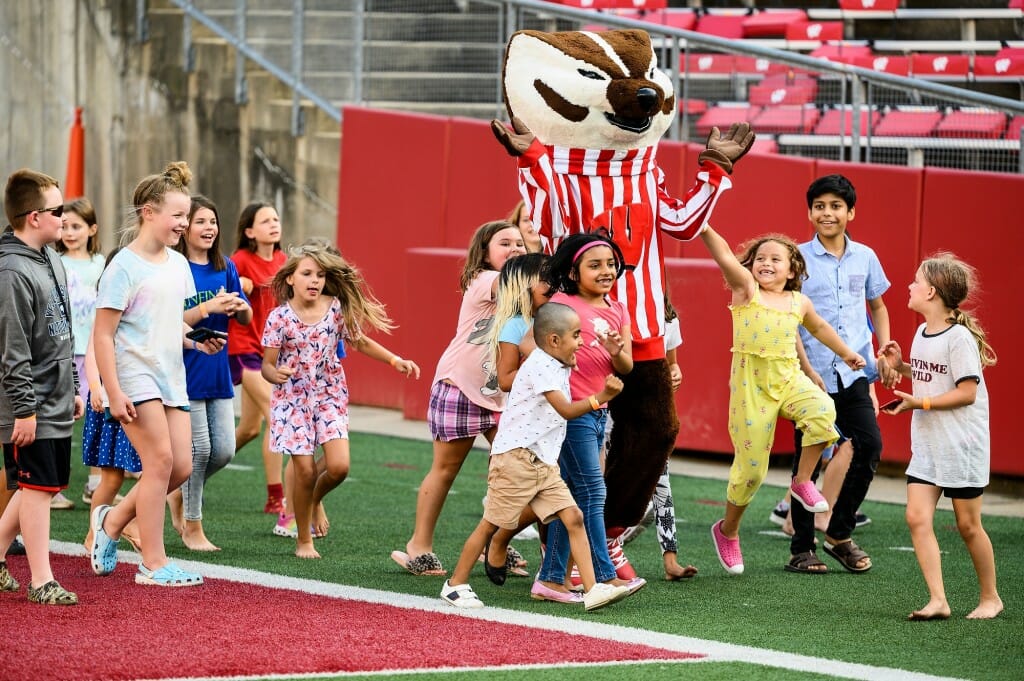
{"x": 325, "y": 309}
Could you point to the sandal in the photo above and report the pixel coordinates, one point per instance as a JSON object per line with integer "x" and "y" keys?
{"x": 849, "y": 555}
{"x": 807, "y": 563}
{"x": 426, "y": 564}
{"x": 168, "y": 575}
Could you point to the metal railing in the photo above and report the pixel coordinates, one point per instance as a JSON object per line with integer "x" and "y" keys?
{"x": 334, "y": 52}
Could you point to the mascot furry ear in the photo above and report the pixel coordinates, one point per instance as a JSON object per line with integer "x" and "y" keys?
{"x": 587, "y": 111}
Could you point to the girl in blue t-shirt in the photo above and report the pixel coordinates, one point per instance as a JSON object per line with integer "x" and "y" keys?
{"x": 210, "y": 391}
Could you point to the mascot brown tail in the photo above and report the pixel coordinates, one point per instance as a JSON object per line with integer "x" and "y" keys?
{"x": 644, "y": 432}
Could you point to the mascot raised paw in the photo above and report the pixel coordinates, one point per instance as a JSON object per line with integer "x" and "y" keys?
{"x": 587, "y": 112}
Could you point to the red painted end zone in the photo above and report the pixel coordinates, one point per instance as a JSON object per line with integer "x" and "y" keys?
{"x": 123, "y": 631}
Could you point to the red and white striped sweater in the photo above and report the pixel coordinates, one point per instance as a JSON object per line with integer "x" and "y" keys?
{"x": 570, "y": 191}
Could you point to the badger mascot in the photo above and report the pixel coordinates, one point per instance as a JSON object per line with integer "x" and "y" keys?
{"x": 587, "y": 111}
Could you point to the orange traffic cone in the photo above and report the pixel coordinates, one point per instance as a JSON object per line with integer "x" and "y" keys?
{"x": 74, "y": 183}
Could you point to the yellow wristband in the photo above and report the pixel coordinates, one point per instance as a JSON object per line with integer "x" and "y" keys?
{"x": 926, "y": 403}
{"x": 594, "y": 404}
{"x": 202, "y": 310}
{"x": 395, "y": 359}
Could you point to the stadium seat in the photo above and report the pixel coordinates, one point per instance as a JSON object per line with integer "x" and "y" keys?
{"x": 725, "y": 115}
{"x": 685, "y": 19}
{"x": 787, "y": 119}
{"x": 902, "y": 123}
{"x": 840, "y": 122}
{"x": 722, "y": 25}
{"x": 898, "y": 66}
{"x": 869, "y": 5}
{"x": 770, "y": 95}
{"x": 750, "y": 65}
{"x": 764, "y": 145}
{"x": 693, "y": 107}
{"x": 939, "y": 65}
{"x": 710, "y": 63}
{"x": 1010, "y": 66}
{"x": 814, "y": 30}
{"x": 613, "y": 4}
{"x": 975, "y": 124}
{"x": 1013, "y": 129}
{"x": 1016, "y": 4}
{"x": 842, "y": 52}
{"x": 771, "y": 23}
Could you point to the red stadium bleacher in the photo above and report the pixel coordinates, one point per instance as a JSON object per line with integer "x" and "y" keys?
{"x": 764, "y": 145}
{"x": 869, "y": 5}
{"x": 1009, "y": 66}
{"x": 776, "y": 90}
{"x": 814, "y": 30}
{"x": 724, "y": 115}
{"x": 710, "y": 63}
{"x": 685, "y": 19}
{"x": 787, "y": 119}
{"x": 1013, "y": 129}
{"x": 842, "y": 52}
{"x": 693, "y": 107}
{"x": 722, "y": 25}
{"x": 974, "y": 124}
{"x": 613, "y": 4}
{"x": 898, "y": 66}
{"x": 902, "y": 123}
{"x": 939, "y": 65}
{"x": 771, "y": 23}
{"x": 749, "y": 65}
{"x": 840, "y": 122}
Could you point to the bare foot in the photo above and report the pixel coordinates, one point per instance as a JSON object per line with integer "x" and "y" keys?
{"x": 320, "y": 522}
{"x": 986, "y": 610}
{"x": 787, "y": 526}
{"x": 88, "y": 541}
{"x": 303, "y": 550}
{"x": 195, "y": 539}
{"x": 935, "y": 610}
{"x": 177, "y": 507}
{"x": 674, "y": 571}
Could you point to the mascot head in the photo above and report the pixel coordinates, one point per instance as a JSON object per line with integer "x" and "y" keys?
{"x": 588, "y": 90}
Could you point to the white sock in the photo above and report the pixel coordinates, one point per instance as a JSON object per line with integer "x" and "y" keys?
{"x": 94, "y": 482}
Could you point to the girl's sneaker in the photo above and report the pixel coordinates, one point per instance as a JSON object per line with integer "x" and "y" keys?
{"x": 728, "y": 550}
{"x": 808, "y": 496}
{"x": 460, "y": 595}
{"x": 51, "y": 593}
{"x": 286, "y": 526}
{"x": 603, "y": 594}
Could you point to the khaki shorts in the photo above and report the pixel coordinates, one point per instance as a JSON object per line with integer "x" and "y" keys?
{"x": 517, "y": 479}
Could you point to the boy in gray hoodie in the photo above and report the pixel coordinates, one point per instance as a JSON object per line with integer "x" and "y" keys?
{"x": 39, "y": 399}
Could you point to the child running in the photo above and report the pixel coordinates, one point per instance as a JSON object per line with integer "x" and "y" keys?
{"x": 583, "y": 270}
{"x": 325, "y": 305}
{"x": 523, "y": 468}
{"x": 766, "y": 382}
{"x": 220, "y": 299}
{"x": 949, "y": 435}
{"x": 464, "y": 398}
{"x": 138, "y": 336}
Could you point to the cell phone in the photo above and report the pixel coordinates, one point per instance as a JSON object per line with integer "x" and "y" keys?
{"x": 892, "y": 404}
{"x": 201, "y": 334}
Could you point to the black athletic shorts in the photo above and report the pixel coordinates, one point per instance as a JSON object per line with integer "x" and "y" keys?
{"x": 951, "y": 492}
{"x": 44, "y": 465}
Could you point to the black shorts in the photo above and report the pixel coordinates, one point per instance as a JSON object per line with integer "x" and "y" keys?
{"x": 950, "y": 492}
{"x": 44, "y": 465}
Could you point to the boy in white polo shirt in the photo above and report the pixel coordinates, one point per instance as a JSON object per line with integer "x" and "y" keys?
{"x": 524, "y": 464}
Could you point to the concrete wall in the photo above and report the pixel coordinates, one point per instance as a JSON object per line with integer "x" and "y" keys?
{"x": 142, "y": 110}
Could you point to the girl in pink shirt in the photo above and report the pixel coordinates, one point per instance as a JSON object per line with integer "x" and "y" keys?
{"x": 464, "y": 397}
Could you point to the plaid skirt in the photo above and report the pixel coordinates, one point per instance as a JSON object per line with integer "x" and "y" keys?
{"x": 452, "y": 416}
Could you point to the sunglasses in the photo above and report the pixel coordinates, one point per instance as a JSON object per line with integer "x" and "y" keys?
{"x": 56, "y": 211}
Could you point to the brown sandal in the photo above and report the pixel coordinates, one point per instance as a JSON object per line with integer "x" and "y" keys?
{"x": 806, "y": 563}
{"x": 849, "y": 555}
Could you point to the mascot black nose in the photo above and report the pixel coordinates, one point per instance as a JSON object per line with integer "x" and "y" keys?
{"x": 648, "y": 98}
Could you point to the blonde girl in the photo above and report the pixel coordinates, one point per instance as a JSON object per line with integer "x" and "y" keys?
{"x": 766, "y": 382}
{"x": 521, "y": 290}
{"x": 79, "y": 249}
{"x": 464, "y": 396}
{"x": 258, "y": 258}
{"x": 138, "y": 338}
{"x": 325, "y": 308}
{"x": 949, "y": 435}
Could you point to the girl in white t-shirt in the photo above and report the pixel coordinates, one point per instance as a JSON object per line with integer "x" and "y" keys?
{"x": 464, "y": 396}
{"x": 949, "y": 435}
{"x": 138, "y": 338}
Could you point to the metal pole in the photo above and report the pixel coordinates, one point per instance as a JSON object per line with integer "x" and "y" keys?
{"x": 297, "y": 46}
{"x": 855, "y": 102}
{"x": 188, "y": 60}
{"x": 141, "y": 21}
{"x": 678, "y": 126}
{"x": 358, "y": 37}
{"x": 241, "y": 86}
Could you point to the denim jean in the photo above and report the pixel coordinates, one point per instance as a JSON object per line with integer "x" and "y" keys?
{"x": 855, "y": 419}
{"x": 213, "y": 446}
{"x": 581, "y": 469}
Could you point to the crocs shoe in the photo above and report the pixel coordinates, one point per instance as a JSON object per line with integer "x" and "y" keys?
{"x": 103, "y": 554}
{"x": 728, "y": 550}
{"x": 809, "y": 497}
{"x": 541, "y": 592}
{"x": 623, "y": 570}
{"x": 603, "y": 594}
{"x": 7, "y": 580}
{"x": 286, "y": 526}
{"x": 460, "y": 595}
{"x": 51, "y": 593}
{"x": 169, "y": 575}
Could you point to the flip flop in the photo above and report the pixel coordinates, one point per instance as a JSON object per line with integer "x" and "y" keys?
{"x": 423, "y": 565}
{"x": 806, "y": 562}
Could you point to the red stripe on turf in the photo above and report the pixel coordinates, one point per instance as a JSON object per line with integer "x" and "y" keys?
{"x": 123, "y": 631}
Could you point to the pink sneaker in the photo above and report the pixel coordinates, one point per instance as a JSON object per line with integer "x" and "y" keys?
{"x": 728, "y": 550}
{"x": 809, "y": 497}
{"x": 623, "y": 569}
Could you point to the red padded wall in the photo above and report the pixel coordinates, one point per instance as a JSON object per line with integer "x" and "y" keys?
{"x": 974, "y": 215}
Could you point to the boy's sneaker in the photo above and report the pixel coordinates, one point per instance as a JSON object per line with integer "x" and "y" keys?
{"x": 461, "y": 596}
{"x": 603, "y": 594}
{"x": 779, "y": 513}
{"x": 286, "y": 526}
{"x": 623, "y": 570}
{"x": 59, "y": 502}
{"x": 51, "y": 593}
{"x": 103, "y": 554}
{"x": 7, "y": 580}
{"x": 808, "y": 496}
{"x": 860, "y": 520}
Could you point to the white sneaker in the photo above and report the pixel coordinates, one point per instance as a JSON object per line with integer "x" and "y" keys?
{"x": 530, "y": 533}
{"x": 461, "y": 595}
{"x": 602, "y": 595}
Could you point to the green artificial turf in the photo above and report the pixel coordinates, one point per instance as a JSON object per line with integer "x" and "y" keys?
{"x": 857, "y": 618}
